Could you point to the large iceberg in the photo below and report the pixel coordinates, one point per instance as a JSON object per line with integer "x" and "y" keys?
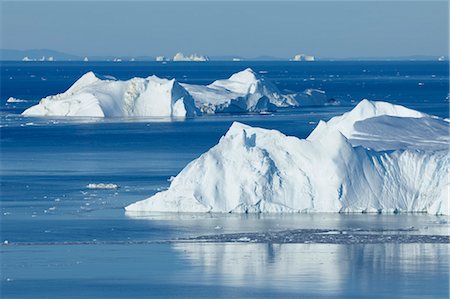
{"x": 378, "y": 157}
{"x": 96, "y": 97}
{"x": 247, "y": 91}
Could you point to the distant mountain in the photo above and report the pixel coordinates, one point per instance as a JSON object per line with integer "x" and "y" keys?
{"x": 388, "y": 58}
{"x": 39, "y": 54}
{"x": 36, "y": 54}
{"x": 48, "y": 55}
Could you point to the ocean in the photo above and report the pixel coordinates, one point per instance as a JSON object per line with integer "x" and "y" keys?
{"x": 61, "y": 239}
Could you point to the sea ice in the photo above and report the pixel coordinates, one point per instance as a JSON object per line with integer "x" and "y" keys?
{"x": 379, "y": 157}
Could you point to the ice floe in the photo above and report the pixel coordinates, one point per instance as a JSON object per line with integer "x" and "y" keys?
{"x": 102, "y": 186}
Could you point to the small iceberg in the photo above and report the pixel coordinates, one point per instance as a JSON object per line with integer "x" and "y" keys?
{"x": 379, "y": 158}
{"x": 15, "y": 100}
{"x": 102, "y": 186}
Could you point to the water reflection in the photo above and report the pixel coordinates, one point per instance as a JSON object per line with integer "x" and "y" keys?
{"x": 325, "y": 269}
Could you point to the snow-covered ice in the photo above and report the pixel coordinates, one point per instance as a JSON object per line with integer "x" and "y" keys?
{"x": 102, "y": 186}
{"x": 303, "y": 57}
{"x": 244, "y": 91}
{"x": 247, "y": 91}
{"x": 379, "y": 157}
{"x": 96, "y": 97}
{"x": 193, "y": 57}
{"x": 14, "y": 100}
{"x": 105, "y": 96}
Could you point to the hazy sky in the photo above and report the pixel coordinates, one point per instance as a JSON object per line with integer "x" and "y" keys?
{"x": 324, "y": 28}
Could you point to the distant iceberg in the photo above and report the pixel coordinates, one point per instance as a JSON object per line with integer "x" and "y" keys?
{"x": 379, "y": 157}
{"x": 245, "y": 91}
{"x": 193, "y": 57}
{"x": 95, "y": 97}
{"x": 303, "y": 57}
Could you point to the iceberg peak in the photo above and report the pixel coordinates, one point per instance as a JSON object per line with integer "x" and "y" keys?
{"x": 365, "y": 109}
{"x": 247, "y": 75}
{"x": 85, "y": 80}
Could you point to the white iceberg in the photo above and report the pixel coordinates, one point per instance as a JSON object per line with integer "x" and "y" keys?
{"x": 378, "y": 157}
{"x": 247, "y": 91}
{"x": 138, "y": 97}
{"x": 243, "y": 92}
{"x": 303, "y": 57}
{"x": 102, "y": 186}
{"x": 193, "y": 57}
{"x": 309, "y": 97}
{"x": 161, "y": 58}
{"x": 15, "y": 100}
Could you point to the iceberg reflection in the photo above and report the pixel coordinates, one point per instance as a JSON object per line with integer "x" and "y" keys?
{"x": 320, "y": 268}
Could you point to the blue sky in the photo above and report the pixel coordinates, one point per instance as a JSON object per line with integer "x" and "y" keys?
{"x": 339, "y": 29}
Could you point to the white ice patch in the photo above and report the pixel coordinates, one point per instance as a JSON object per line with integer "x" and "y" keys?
{"x": 102, "y": 186}
{"x": 15, "y": 100}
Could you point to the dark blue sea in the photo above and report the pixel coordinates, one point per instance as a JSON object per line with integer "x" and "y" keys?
{"x": 63, "y": 240}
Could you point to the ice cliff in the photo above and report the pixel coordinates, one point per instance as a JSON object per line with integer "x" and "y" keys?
{"x": 95, "y": 97}
{"x": 379, "y": 157}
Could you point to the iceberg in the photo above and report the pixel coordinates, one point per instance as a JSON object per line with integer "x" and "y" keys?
{"x": 247, "y": 91}
{"x": 309, "y": 97}
{"x": 244, "y": 91}
{"x": 15, "y": 100}
{"x": 102, "y": 186}
{"x": 105, "y": 96}
{"x": 379, "y": 157}
{"x": 194, "y": 57}
{"x": 93, "y": 96}
{"x": 303, "y": 57}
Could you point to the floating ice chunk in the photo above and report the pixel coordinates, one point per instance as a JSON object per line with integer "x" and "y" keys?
{"x": 15, "y": 100}
{"x": 102, "y": 186}
{"x": 345, "y": 165}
